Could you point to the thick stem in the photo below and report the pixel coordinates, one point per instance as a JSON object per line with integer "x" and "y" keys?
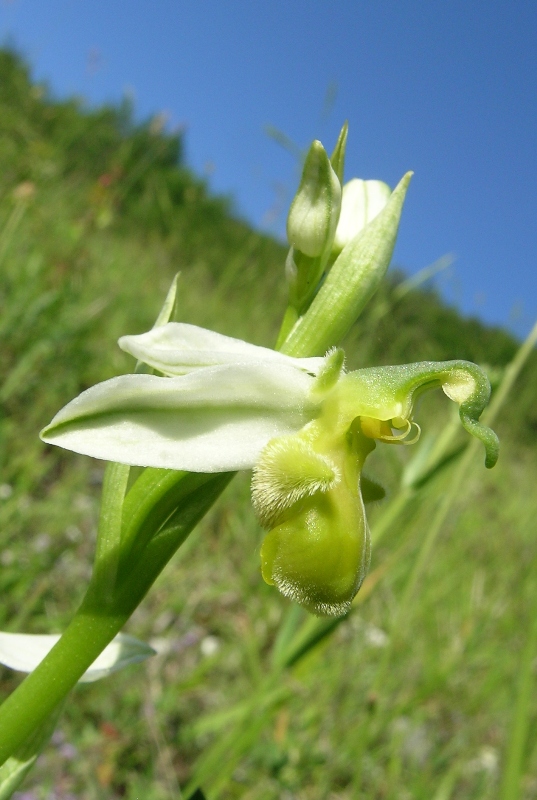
{"x": 116, "y": 477}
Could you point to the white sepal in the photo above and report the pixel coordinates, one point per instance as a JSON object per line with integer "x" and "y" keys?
{"x": 178, "y": 348}
{"x": 24, "y": 651}
{"x": 361, "y": 202}
{"x": 215, "y": 419}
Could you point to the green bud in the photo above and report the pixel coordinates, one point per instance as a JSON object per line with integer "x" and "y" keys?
{"x": 314, "y": 212}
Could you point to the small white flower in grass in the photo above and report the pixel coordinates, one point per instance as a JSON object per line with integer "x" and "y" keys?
{"x": 305, "y": 426}
{"x": 376, "y": 637}
{"x": 209, "y": 645}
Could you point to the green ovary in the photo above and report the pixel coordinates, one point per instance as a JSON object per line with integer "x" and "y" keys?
{"x": 319, "y": 555}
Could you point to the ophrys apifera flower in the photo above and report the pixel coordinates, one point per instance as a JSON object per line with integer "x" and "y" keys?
{"x": 305, "y": 426}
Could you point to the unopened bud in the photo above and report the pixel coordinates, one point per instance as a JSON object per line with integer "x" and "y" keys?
{"x": 360, "y": 203}
{"x": 314, "y": 212}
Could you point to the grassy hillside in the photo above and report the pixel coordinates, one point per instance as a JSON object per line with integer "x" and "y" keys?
{"x": 411, "y": 696}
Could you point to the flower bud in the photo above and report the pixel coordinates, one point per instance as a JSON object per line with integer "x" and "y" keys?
{"x": 361, "y": 201}
{"x": 314, "y": 212}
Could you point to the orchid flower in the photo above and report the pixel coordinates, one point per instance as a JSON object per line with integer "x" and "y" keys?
{"x": 304, "y": 426}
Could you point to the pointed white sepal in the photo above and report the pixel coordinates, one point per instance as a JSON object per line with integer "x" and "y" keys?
{"x": 215, "y": 419}
{"x": 24, "y": 651}
{"x": 178, "y": 348}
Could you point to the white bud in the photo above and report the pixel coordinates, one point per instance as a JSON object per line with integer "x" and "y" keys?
{"x": 360, "y": 203}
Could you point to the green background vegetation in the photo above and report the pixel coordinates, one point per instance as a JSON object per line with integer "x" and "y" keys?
{"x": 425, "y": 690}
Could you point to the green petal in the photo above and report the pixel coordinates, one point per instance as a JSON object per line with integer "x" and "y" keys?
{"x": 389, "y": 393}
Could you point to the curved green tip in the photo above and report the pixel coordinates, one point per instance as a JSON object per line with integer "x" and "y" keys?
{"x": 485, "y": 435}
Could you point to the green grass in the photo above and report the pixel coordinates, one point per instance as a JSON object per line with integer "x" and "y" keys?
{"x": 426, "y": 690}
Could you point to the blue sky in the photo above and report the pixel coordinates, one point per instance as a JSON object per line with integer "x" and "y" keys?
{"x": 447, "y": 89}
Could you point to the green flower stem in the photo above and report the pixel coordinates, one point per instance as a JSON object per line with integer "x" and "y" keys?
{"x": 15, "y": 769}
{"x": 148, "y": 506}
{"x": 289, "y": 320}
{"x": 39, "y": 694}
{"x": 96, "y": 623}
{"x": 107, "y": 552}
